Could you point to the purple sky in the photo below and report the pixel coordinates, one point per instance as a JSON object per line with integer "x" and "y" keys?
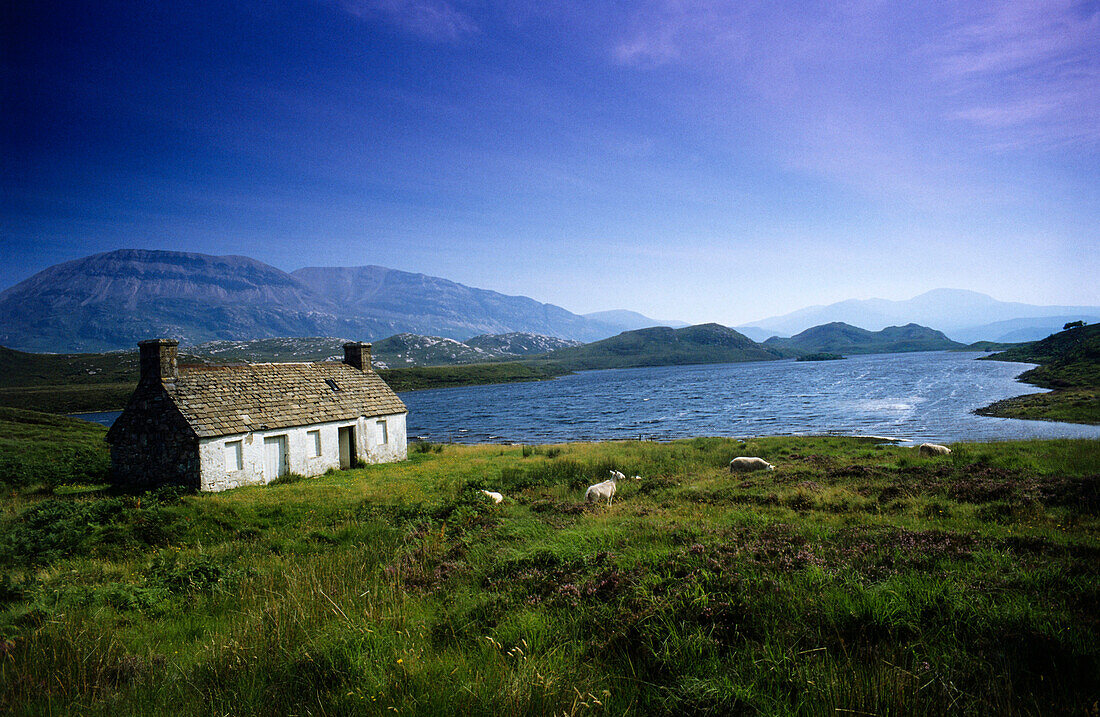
{"x": 702, "y": 161}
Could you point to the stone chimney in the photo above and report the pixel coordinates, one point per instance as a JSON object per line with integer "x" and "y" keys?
{"x": 158, "y": 360}
{"x": 357, "y": 354}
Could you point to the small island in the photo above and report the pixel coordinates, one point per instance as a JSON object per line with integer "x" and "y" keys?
{"x": 821, "y": 356}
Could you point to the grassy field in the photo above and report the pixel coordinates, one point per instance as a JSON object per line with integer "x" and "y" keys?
{"x": 854, "y": 579}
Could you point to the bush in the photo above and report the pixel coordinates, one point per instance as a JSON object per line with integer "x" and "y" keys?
{"x": 197, "y": 574}
{"x": 59, "y": 528}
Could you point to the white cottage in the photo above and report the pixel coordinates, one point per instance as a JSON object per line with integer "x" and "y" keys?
{"x": 219, "y": 427}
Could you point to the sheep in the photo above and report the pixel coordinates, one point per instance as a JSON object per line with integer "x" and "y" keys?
{"x": 747, "y": 464}
{"x": 497, "y": 497}
{"x": 933, "y": 449}
{"x": 599, "y": 491}
{"x": 636, "y": 478}
{"x": 616, "y": 475}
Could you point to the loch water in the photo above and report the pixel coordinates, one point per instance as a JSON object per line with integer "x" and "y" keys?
{"x": 914, "y": 397}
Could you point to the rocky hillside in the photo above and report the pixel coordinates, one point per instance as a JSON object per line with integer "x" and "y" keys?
{"x": 842, "y": 338}
{"x": 278, "y": 350}
{"x": 413, "y": 350}
{"x": 113, "y": 300}
{"x": 518, "y": 343}
{"x": 399, "y": 350}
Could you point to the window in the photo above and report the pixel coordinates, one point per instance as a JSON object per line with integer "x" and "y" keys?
{"x": 234, "y": 455}
{"x": 383, "y": 433}
{"x": 313, "y": 443}
{"x": 332, "y": 384}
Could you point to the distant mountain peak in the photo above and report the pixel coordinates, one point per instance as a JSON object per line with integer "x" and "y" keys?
{"x": 960, "y": 313}
{"x": 625, "y": 320}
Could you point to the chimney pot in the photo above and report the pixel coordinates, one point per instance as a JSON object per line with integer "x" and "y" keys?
{"x": 159, "y": 360}
{"x": 357, "y": 354}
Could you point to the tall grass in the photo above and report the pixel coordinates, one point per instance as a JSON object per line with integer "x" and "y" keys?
{"x": 856, "y": 578}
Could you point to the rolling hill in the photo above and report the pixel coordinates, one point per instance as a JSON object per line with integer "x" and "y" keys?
{"x": 842, "y": 338}
{"x": 664, "y": 346}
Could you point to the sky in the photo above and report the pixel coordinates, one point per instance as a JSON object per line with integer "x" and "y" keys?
{"x": 696, "y": 161}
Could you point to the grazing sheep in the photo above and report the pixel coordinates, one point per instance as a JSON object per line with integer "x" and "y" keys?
{"x": 933, "y": 449}
{"x": 603, "y": 490}
{"x": 747, "y": 464}
{"x": 497, "y": 497}
{"x": 637, "y": 478}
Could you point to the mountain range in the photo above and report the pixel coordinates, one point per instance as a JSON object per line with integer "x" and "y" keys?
{"x": 113, "y": 300}
{"x": 965, "y": 316}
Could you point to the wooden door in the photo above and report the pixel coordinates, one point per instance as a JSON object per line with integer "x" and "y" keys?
{"x": 275, "y": 458}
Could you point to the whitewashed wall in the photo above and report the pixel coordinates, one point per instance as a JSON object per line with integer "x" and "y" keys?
{"x": 213, "y": 456}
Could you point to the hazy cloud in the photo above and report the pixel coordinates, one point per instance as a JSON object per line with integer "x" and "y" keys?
{"x": 1026, "y": 72}
{"x": 435, "y": 20}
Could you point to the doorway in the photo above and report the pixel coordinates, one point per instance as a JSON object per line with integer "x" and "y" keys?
{"x": 275, "y": 458}
{"x": 347, "y": 447}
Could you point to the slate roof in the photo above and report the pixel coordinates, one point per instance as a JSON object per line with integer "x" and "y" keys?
{"x": 225, "y": 400}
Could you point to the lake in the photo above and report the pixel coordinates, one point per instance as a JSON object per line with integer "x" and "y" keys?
{"x": 917, "y": 397}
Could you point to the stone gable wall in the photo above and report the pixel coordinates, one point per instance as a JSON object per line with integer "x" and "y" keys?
{"x": 151, "y": 443}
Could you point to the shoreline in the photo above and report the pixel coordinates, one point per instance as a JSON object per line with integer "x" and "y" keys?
{"x": 1065, "y": 405}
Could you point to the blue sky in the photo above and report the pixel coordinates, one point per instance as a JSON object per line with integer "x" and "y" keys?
{"x": 703, "y": 161}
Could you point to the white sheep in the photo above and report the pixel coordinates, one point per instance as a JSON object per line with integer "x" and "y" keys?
{"x": 637, "y": 478}
{"x": 497, "y": 497}
{"x": 747, "y": 464}
{"x": 603, "y": 490}
{"x": 933, "y": 449}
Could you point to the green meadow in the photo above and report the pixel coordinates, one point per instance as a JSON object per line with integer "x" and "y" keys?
{"x": 857, "y": 578}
